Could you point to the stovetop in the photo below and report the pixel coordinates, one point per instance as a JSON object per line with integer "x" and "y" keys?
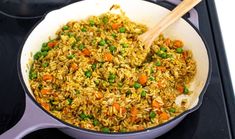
{"x": 214, "y": 119}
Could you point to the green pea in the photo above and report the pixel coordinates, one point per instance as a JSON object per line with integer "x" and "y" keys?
{"x": 120, "y": 84}
{"x": 179, "y": 50}
{"x": 71, "y": 56}
{"x": 44, "y": 44}
{"x": 114, "y": 35}
{"x": 137, "y": 85}
{"x": 163, "y": 55}
{"x": 88, "y": 73}
{"x": 81, "y": 47}
{"x": 143, "y": 93}
{"x": 172, "y": 110}
{"x": 32, "y": 75}
{"x": 77, "y": 91}
{"x": 65, "y": 27}
{"x": 122, "y": 30}
{"x": 44, "y": 53}
{"x": 105, "y": 20}
{"x": 158, "y": 63}
{"x": 37, "y": 55}
{"x": 128, "y": 93}
{"x": 112, "y": 49}
{"x": 45, "y": 64}
{"x": 112, "y": 76}
{"x": 111, "y": 80}
{"x": 93, "y": 66}
{"x": 83, "y": 116}
{"x": 102, "y": 43}
{"x": 124, "y": 45}
{"x": 152, "y": 114}
{"x": 84, "y": 30}
{"x": 151, "y": 78}
{"x": 96, "y": 122}
{"x": 97, "y": 82}
{"x": 163, "y": 49}
{"x": 123, "y": 130}
{"x": 186, "y": 91}
{"x": 45, "y": 48}
{"x": 92, "y": 22}
{"x": 40, "y": 86}
{"x": 105, "y": 129}
{"x": 69, "y": 101}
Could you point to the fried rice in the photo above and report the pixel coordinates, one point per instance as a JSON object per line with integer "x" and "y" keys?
{"x": 85, "y": 75}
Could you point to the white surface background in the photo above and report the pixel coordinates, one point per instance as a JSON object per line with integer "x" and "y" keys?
{"x": 226, "y": 14}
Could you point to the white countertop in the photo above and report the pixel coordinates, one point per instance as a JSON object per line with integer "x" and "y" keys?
{"x": 226, "y": 11}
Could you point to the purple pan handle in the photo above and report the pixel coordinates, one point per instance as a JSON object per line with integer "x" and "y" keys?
{"x": 193, "y": 15}
{"x": 33, "y": 119}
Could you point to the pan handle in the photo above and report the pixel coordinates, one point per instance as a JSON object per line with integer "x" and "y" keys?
{"x": 33, "y": 119}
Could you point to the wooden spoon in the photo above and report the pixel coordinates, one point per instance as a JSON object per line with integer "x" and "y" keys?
{"x": 148, "y": 37}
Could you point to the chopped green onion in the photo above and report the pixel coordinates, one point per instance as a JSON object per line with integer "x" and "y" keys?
{"x": 83, "y": 116}
{"x": 114, "y": 35}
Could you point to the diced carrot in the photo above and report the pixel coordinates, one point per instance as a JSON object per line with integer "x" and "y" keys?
{"x": 108, "y": 57}
{"x": 115, "y": 26}
{"x": 116, "y": 106}
{"x": 155, "y": 104}
{"x": 164, "y": 116}
{"x": 140, "y": 127}
{"x": 180, "y": 88}
{"x": 159, "y": 84}
{"x": 161, "y": 68}
{"x": 45, "y": 106}
{"x": 178, "y": 43}
{"x": 133, "y": 118}
{"x": 45, "y": 91}
{"x": 185, "y": 55}
{"x": 99, "y": 95}
{"x": 51, "y": 44}
{"x": 47, "y": 77}
{"x": 123, "y": 110}
{"x": 143, "y": 79}
{"x": 86, "y": 52}
{"x": 74, "y": 66}
{"x": 134, "y": 111}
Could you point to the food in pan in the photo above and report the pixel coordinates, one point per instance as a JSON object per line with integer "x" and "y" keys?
{"x": 85, "y": 75}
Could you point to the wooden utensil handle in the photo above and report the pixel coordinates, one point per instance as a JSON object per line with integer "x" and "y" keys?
{"x": 173, "y": 16}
